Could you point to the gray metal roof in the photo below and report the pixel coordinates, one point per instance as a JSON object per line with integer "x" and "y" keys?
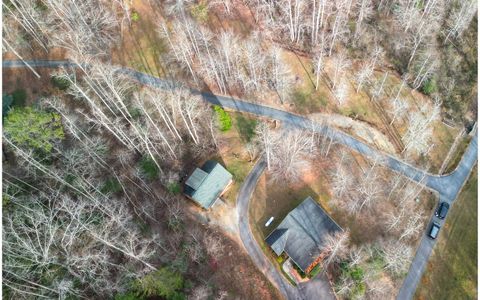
{"x": 278, "y": 240}
{"x": 196, "y": 179}
{"x": 206, "y": 189}
{"x": 302, "y": 233}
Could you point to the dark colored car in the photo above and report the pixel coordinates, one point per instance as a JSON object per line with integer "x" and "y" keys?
{"x": 433, "y": 233}
{"x": 442, "y": 210}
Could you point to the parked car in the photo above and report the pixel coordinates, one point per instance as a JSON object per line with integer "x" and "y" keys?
{"x": 433, "y": 233}
{"x": 442, "y": 210}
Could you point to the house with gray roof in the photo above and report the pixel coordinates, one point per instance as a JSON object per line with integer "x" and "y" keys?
{"x": 302, "y": 234}
{"x": 207, "y": 184}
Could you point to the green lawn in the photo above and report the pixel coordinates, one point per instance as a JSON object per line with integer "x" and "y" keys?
{"x": 452, "y": 269}
{"x": 276, "y": 200}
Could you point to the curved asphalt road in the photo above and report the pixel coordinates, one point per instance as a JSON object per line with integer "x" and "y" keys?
{"x": 448, "y": 186}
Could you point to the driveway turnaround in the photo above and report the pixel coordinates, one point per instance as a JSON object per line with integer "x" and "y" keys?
{"x": 447, "y": 186}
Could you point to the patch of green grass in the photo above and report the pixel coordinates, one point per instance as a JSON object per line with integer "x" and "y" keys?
{"x": 279, "y": 199}
{"x": 19, "y": 98}
{"x": 223, "y": 118}
{"x": 308, "y": 101}
{"x": 5, "y": 200}
{"x": 239, "y": 170}
{"x": 452, "y": 270}
{"x": 245, "y": 126}
{"x": 148, "y": 168}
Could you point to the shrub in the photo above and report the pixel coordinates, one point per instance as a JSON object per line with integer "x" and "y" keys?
{"x": 148, "y": 168}
{"x": 111, "y": 185}
{"x": 224, "y": 118}
{"x": 314, "y": 272}
{"x": 280, "y": 259}
{"x": 200, "y": 12}
{"x": 299, "y": 271}
{"x": 174, "y": 188}
{"x": 7, "y": 101}
{"x": 356, "y": 273}
{"x": 33, "y": 129}
{"x": 163, "y": 283}
{"x": 5, "y": 201}
{"x": 135, "y": 16}
{"x": 429, "y": 87}
{"x": 128, "y": 296}
{"x": 19, "y": 97}
{"x": 60, "y": 82}
{"x": 135, "y": 113}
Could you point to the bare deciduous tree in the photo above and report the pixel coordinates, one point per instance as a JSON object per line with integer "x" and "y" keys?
{"x": 336, "y": 245}
{"x": 342, "y": 180}
{"x": 341, "y": 91}
{"x": 460, "y": 17}
{"x": 365, "y": 10}
{"x": 398, "y": 257}
{"x": 399, "y": 107}
{"x": 363, "y": 75}
{"x": 289, "y": 156}
{"x": 318, "y": 64}
{"x": 420, "y": 130}
{"x": 267, "y": 141}
{"x": 201, "y": 292}
{"x": 340, "y": 64}
{"x": 213, "y": 245}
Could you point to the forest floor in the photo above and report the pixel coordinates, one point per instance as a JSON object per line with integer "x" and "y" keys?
{"x": 235, "y": 272}
{"x": 452, "y": 270}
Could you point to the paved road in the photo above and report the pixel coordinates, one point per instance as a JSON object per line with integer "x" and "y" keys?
{"x": 447, "y": 186}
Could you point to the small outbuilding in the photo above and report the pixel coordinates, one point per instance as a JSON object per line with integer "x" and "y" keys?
{"x": 302, "y": 234}
{"x": 208, "y": 183}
